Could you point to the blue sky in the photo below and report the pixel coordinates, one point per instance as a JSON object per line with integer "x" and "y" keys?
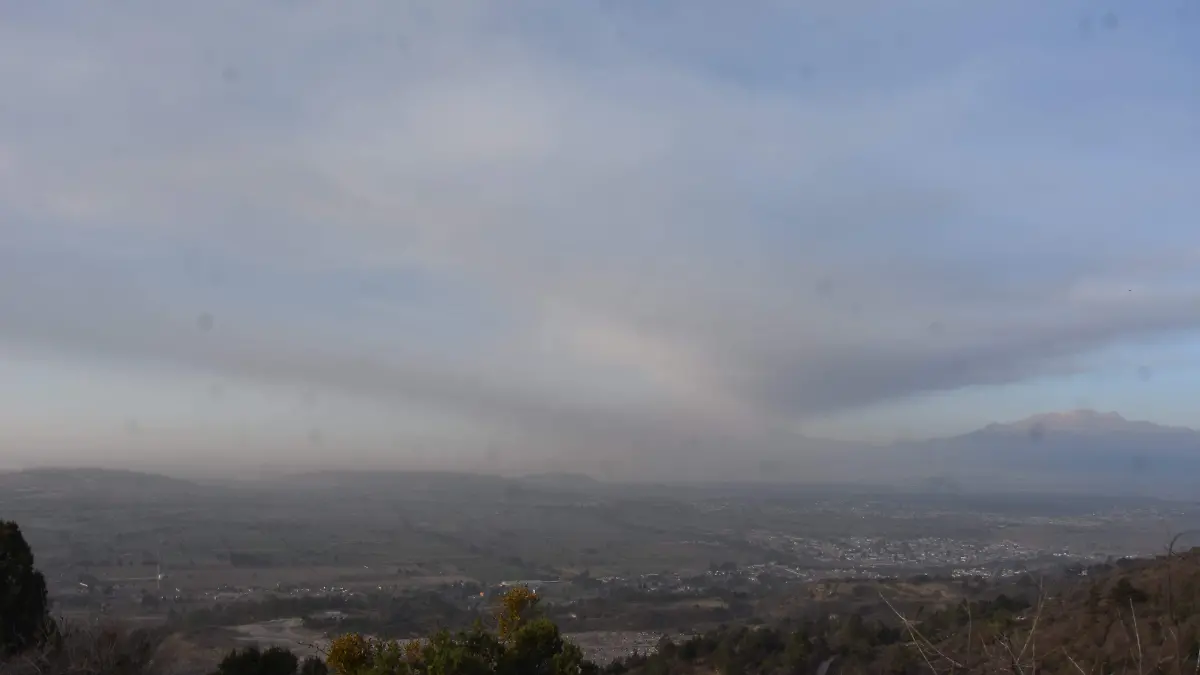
{"x": 468, "y": 233}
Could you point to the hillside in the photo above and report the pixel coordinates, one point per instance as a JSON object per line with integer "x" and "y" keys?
{"x": 109, "y": 484}
{"x": 1137, "y": 616}
{"x": 1079, "y": 450}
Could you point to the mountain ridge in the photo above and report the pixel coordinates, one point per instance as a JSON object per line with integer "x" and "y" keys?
{"x": 1082, "y": 449}
{"x": 1080, "y": 420}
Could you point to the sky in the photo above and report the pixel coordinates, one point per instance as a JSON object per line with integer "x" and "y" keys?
{"x": 595, "y": 235}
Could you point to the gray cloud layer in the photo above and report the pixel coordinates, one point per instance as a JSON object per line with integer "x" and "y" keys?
{"x": 683, "y": 242}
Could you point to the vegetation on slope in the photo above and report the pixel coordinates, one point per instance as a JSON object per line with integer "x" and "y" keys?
{"x": 1139, "y": 617}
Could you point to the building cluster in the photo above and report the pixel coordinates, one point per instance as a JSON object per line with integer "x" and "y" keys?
{"x": 874, "y": 552}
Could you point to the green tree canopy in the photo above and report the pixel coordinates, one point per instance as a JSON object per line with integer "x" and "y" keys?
{"x": 23, "y": 602}
{"x": 253, "y": 661}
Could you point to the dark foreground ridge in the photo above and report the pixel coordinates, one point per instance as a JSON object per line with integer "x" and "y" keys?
{"x": 1135, "y": 616}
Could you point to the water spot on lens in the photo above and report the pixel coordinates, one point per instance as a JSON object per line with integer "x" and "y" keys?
{"x": 1037, "y": 432}
{"x": 1085, "y": 26}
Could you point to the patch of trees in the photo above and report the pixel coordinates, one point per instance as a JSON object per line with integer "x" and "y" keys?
{"x": 272, "y": 661}
{"x": 387, "y": 615}
{"x": 522, "y": 643}
{"x": 636, "y": 609}
{"x": 786, "y": 649}
{"x": 271, "y": 607}
{"x": 24, "y": 607}
{"x": 400, "y": 616}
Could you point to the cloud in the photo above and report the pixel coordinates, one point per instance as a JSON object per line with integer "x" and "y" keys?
{"x": 645, "y": 233}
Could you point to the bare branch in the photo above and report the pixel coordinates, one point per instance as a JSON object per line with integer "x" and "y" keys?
{"x": 1137, "y": 634}
{"x": 918, "y": 638}
{"x": 1074, "y": 663}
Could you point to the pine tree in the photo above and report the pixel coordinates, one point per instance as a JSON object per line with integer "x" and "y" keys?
{"x": 23, "y": 600}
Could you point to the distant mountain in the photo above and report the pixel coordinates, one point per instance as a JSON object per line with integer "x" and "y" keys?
{"x": 415, "y": 483}
{"x": 559, "y": 480}
{"x": 1077, "y": 449}
{"x": 115, "y": 484}
{"x": 87, "y": 476}
{"x": 435, "y": 485}
{"x": 1081, "y": 421}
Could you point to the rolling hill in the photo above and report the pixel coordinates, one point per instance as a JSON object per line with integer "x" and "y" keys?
{"x": 1075, "y": 450}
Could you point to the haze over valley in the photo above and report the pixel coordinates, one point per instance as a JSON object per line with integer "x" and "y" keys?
{"x": 1079, "y": 451}
{"x": 616, "y": 564}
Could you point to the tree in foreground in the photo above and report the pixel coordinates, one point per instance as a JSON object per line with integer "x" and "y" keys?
{"x": 23, "y": 600}
{"x": 253, "y": 661}
{"x": 524, "y": 644}
{"x": 313, "y": 666}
